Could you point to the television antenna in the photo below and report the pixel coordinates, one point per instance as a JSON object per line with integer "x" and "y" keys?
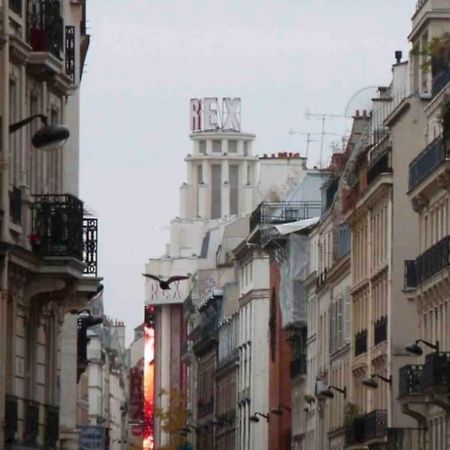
{"x": 323, "y": 117}
{"x": 308, "y": 135}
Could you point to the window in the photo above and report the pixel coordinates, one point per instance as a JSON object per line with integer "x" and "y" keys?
{"x": 202, "y": 147}
{"x": 245, "y": 148}
{"x": 232, "y": 146}
{"x": 216, "y": 146}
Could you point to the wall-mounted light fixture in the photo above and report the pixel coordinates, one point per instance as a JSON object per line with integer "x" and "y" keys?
{"x": 373, "y": 383}
{"x": 417, "y": 350}
{"x": 49, "y": 137}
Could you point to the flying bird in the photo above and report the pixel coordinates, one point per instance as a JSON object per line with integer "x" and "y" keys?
{"x": 164, "y": 284}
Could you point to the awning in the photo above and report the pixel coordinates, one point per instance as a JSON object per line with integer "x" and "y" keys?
{"x": 292, "y": 227}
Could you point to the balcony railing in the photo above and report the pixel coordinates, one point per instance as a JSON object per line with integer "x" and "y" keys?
{"x": 381, "y": 164}
{"x": 283, "y": 212}
{"x": 410, "y": 377}
{"x": 31, "y": 425}
{"x": 354, "y": 432}
{"x": 298, "y": 366}
{"x": 440, "y": 80}
{"x": 45, "y": 26}
{"x": 204, "y": 408}
{"x": 51, "y": 427}
{"x": 90, "y": 232}
{"x": 10, "y": 418}
{"x": 360, "y": 342}
{"x": 433, "y": 260}
{"x": 435, "y": 373}
{"x": 426, "y": 162}
{"x": 59, "y": 229}
{"x": 410, "y": 274}
{"x": 375, "y": 424}
{"x": 380, "y": 330}
{"x": 15, "y": 205}
{"x": 16, "y": 6}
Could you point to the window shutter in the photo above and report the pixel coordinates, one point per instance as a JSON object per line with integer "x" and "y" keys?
{"x": 340, "y": 322}
{"x": 347, "y": 315}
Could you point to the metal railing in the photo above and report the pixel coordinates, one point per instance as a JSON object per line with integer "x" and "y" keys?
{"x": 354, "y": 432}
{"x": 59, "y": 229}
{"x": 410, "y": 380}
{"x": 16, "y": 6}
{"x": 298, "y": 366}
{"x": 31, "y": 425}
{"x": 410, "y": 274}
{"x": 284, "y": 212}
{"x": 433, "y": 260}
{"x": 360, "y": 342}
{"x": 15, "y": 205}
{"x": 380, "y": 330}
{"x": 204, "y": 408}
{"x": 11, "y": 418}
{"x": 381, "y": 164}
{"x": 440, "y": 80}
{"x": 45, "y": 26}
{"x": 51, "y": 427}
{"x": 90, "y": 234}
{"x": 435, "y": 373}
{"x": 375, "y": 424}
{"x": 426, "y": 162}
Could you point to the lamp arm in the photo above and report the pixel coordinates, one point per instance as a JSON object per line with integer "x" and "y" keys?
{"x": 16, "y": 126}
{"x": 387, "y": 380}
{"x": 429, "y": 344}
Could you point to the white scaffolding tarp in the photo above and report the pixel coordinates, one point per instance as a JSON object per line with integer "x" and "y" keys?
{"x": 293, "y": 271}
{"x": 299, "y": 225}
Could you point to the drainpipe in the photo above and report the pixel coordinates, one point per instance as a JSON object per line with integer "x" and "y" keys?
{"x": 5, "y": 207}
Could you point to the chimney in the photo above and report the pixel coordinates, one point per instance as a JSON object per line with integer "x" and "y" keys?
{"x": 398, "y": 56}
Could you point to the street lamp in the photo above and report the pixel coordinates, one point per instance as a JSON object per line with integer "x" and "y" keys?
{"x": 49, "y": 137}
{"x": 373, "y": 383}
{"x": 279, "y": 411}
{"x": 414, "y": 348}
{"x": 329, "y": 393}
{"x": 254, "y": 417}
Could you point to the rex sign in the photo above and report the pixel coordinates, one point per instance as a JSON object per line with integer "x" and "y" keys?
{"x": 207, "y": 115}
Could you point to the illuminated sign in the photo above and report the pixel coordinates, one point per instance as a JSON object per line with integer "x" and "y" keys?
{"x": 206, "y": 115}
{"x": 177, "y": 293}
{"x": 149, "y": 378}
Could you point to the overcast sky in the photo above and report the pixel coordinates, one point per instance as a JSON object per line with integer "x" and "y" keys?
{"x": 149, "y": 57}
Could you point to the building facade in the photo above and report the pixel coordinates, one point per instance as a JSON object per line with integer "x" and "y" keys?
{"x": 46, "y": 270}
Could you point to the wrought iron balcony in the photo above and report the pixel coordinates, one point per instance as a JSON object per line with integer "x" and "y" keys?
{"x": 440, "y": 80}
{"x": 51, "y": 427}
{"x": 354, "y": 432}
{"x": 11, "y": 417}
{"x": 435, "y": 373}
{"x": 45, "y": 26}
{"x": 410, "y": 380}
{"x": 380, "y": 164}
{"x": 204, "y": 408}
{"x": 404, "y": 438}
{"x": 360, "y": 342}
{"x": 380, "y": 330}
{"x": 426, "y": 162}
{"x": 16, "y": 6}
{"x": 433, "y": 260}
{"x": 275, "y": 213}
{"x": 15, "y": 205}
{"x": 375, "y": 424}
{"x": 31, "y": 425}
{"x": 298, "y": 366}
{"x": 59, "y": 229}
{"x": 410, "y": 274}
